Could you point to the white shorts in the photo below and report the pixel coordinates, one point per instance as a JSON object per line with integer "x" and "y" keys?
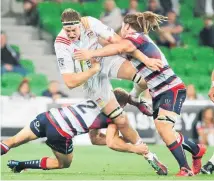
{"x": 111, "y": 65}
{"x": 98, "y": 88}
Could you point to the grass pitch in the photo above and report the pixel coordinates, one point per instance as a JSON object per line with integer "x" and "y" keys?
{"x": 97, "y": 163}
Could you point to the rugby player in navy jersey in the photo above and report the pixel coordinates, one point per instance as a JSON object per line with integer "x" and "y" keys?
{"x": 61, "y": 125}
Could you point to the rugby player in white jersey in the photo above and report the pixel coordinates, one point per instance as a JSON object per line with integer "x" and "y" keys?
{"x": 85, "y": 32}
{"x": 166, "y": 88}
{"x": 61, "y": 125}
{"x": 208, "y": 168}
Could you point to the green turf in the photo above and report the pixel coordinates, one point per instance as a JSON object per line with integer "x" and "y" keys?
{"x": 96, "y": 163}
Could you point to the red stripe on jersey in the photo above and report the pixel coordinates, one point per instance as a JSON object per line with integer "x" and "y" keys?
{"x": 60, "y": 41}
{"x": 60, "y": 131}
{"x": 62, "y": 38}
{"x": 77, "y": 119}
{"x": 139, "y": 40}
{"x": 166, "y": 84}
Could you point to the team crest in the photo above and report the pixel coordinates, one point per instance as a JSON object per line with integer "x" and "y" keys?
{"x": 100, "y": 103}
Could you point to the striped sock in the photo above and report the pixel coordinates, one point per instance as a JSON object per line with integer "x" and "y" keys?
{"x": 34, "y": 164}
{"x": 4, "y": 148}
{"x": 189, "y": 145}
{"x": 178, "y": 152}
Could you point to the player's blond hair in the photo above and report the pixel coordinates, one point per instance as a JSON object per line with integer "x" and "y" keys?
{"x": 144, "y": 22}
{"x": 70, "y": 15}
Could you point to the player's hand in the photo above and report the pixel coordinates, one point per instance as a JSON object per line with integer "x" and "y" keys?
{"x": 83, "y": 55}
{"x": 211, "y": 94}
{"x": 141, "y": 149}
{"x": 95, "y": 65}
{"x": 154, "y": 64}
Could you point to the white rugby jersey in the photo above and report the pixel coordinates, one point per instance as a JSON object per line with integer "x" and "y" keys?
{"x": 77, "y": 119}
{"x": 90, "y": 32}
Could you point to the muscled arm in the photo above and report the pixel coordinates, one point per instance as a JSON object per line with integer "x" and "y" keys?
{"x": 73, "y": 80}
{"x": 67, "y": 68}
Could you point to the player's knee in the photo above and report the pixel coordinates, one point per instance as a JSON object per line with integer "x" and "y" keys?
{"x": 64, "y": 165}
{"x": 163, "y": 123}
{"x": 121, "y": 121}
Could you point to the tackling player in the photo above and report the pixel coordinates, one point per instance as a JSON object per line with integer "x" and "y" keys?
{"x": 208, "y": 168}
{"x": 167, "y": 89}
{"x": 85, "y": 32}
{"x": 61, "y": 125}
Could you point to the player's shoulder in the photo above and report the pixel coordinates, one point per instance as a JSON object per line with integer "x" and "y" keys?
{"x": 137, "y": 37}
{"x": 89, "y": 21}
{"x": 62, "y": 39}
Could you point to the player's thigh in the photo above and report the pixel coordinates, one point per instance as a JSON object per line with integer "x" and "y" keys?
{"x": 167, "y": 107}
{"x": 126, "y": 71}
{"x": 112, "y": 66}
{"x": 24, "y": 136}
{"x": 64, "y": 160}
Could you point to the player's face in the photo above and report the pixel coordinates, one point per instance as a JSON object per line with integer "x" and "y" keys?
{"x": 124, "y": 30}
{"x": 73, "y": 32}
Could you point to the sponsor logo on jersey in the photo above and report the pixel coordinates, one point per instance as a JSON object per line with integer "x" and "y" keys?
{"x": 90, "y": 34}
{"x": 100, "y": 103}
{"x": 37, "y": 125}
{"x": 61, "y": 62}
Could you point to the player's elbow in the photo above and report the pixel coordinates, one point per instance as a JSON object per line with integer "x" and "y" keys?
{"x": 71, "y": 85}
{"x": 111, "y": 144}
{"x": 71, "y": 80}
{"x": 127, "y": 47}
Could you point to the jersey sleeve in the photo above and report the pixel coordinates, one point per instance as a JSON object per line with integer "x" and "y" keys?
{"x": 64, "y": 58}
{"x": 100, "y": 29}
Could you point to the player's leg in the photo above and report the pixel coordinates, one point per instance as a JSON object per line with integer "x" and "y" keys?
{"x": 119, "y": 117}
{"x": 46, "y": 163}
{"x": 123, "y": 69}
{"x": 24, "y": 136}
{"x": 208, "y": 168}
{"x": 167, "y": 107}
{"x": 164, "y": 124}
{"x": 61, "y": 146}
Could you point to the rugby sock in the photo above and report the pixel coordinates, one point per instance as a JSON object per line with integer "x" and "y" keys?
{"x": 34, "y": 164}
{"x": 136, "y": 91}
{"x": 189, "y": 145}
{"x": 4, "y": 148}
{"x": 178, "y": 152}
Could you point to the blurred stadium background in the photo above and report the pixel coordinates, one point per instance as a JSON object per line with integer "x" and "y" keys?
{"x": 29, "y": 28}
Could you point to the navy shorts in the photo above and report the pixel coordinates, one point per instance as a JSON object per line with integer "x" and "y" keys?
{"x": 170, "y": 100}
{"x": 42, "y": 127}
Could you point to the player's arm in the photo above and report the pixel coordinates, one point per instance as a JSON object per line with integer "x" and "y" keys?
{"x": 66, "y": 66}
{"x": 211, "y": 92}
{"x": 115, "y": 142}
{"x": 124, "y": 46}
